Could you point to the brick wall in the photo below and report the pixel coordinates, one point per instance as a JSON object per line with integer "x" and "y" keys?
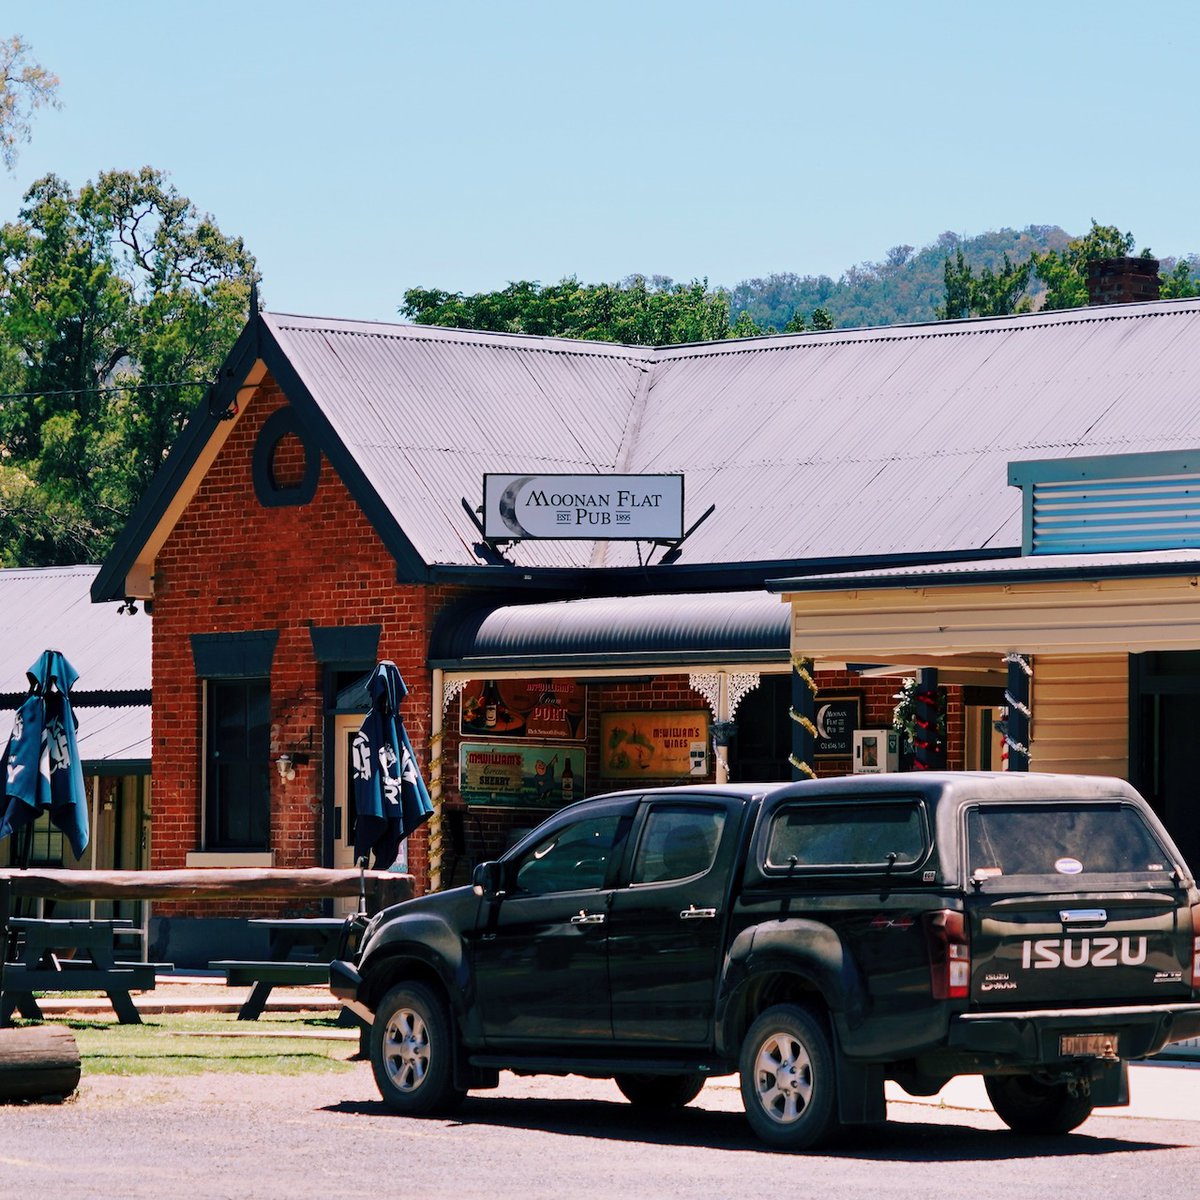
{"x": 231, "y": 564}
{"x": 489, "y": 830}
{"x": 879, "y": 703}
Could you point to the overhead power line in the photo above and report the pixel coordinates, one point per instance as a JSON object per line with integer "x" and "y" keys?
{"x": 95, "y": 391}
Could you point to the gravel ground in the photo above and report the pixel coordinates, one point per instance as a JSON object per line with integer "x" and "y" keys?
{"x": 328, "y": 1137}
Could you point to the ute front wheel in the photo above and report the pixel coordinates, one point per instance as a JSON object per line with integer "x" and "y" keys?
{"x": 659, "y": 1091}
{"x": 788, "y": 1079}
{"x": 412, "y": 1052}
{"x": 1026, "y": 1105}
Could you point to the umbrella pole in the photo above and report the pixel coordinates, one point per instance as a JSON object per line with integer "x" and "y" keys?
{"x": 24, "y": 854}
{"x": 6, "y": 951}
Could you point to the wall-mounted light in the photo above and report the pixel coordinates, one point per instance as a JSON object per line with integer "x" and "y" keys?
{"x": 129, "y": 607}
{"x": 287, "y": 763}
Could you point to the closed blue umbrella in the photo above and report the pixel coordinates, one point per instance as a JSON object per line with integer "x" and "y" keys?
{"x": 40, "y": 765}
{"x": 390, "y": 797}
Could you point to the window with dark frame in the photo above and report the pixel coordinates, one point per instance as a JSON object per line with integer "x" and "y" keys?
{"x": 862, "y": 835}
{"x": 677, "y": 843}
{"x": 47, "y": 845}
{"x": 238, "y": 761}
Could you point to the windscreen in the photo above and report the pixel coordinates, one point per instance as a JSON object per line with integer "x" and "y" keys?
{"x": 1061, "y": 839}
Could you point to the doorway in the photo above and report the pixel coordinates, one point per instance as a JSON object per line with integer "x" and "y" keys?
{"x": 345, "y": 726}
{"x": 1165, "y": 718}
{"x": 983, "y": 745}
{"x": 764, "y": 733}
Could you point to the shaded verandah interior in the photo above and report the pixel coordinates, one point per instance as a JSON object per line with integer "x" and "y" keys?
{"x": 1079, "y": 624}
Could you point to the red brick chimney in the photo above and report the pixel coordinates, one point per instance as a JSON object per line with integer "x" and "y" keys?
{"x": 1122, "y": 280}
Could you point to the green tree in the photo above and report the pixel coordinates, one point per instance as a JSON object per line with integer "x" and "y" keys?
{"x": 819, "y": 318}
{"x": 1179, "y": 281}
{"x": 24, "y": 87}
{"x": 990, "y": 294}
{"x": 117, "y": 304}
{"x": 1065, "y": 272}
{"x": 635, "y": 312}
{"x": 744, "y": 326}
{"x": 958, "y": 278}
{"x": 998, "y": 293}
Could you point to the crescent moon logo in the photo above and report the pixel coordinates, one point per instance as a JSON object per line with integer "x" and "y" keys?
{"x": 822, "y": 732}
{"x": 507, "y": 506}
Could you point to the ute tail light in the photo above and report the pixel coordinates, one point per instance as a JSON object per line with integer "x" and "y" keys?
{"x": 1196, "y": 947}
{"x": 949, "y": 954}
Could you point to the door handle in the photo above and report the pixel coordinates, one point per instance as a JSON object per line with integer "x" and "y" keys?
{"x": 692, "y": 913}
{"x": 587, "y": 918}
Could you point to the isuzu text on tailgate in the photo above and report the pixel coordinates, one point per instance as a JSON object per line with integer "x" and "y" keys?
{"x": 815, "y": 938}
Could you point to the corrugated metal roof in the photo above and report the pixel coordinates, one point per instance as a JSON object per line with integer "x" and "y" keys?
{"x": 425, "y": 412}
{"x": 627, "y": 631}
{"x": 811, "y": 446}
{"x": 1141, "y": 564}
{"x": 51, "y": 608}
{"x": 111, "y": 736}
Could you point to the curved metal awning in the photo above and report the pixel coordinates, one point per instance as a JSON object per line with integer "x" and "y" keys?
{"x": 626, "y": 632}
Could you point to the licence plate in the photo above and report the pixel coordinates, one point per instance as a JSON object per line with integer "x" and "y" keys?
{"x": 1088, "y": 1045}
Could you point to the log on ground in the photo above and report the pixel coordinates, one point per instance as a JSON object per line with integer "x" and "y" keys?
{"x": 38, "y": 1062}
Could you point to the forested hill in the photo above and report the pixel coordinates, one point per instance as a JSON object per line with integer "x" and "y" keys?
{"x": 905, "y": 287}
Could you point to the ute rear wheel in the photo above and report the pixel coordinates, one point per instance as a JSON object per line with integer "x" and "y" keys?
{"x": 659, "y": 1091}
{"x": 412, "y": 1052}
{"x": 788, "y": 1079}
{"x": 1027, "y": 1105}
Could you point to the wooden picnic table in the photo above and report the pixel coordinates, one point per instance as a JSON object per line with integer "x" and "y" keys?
{"x": 71, "y": 955}
{"x": 300, "y": 950}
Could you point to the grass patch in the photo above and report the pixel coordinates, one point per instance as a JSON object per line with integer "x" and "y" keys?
{"x": 185, "y": 1044}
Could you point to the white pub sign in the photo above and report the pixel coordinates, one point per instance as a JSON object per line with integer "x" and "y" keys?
{"x": 596, "y": 507}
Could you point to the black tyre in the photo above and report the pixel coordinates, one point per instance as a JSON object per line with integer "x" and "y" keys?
{"x": 789, "y": 1085}
{"x": 659, "y": 1091}
{"x": 1027, "y": 1105}
{"x": 412, "y": 1052}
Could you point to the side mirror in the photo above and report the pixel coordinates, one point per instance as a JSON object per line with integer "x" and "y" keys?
{"x": 488, "y": 879}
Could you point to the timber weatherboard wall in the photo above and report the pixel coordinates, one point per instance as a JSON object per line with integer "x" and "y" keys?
{"x": 1080, "y": 709}
{"x": 1123, "y": 615}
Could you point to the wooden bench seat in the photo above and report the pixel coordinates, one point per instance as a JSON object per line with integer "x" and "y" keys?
{"x": 21, "y": 981}
{"x": 79, "y": 977}
{"x": 239, "y": 973}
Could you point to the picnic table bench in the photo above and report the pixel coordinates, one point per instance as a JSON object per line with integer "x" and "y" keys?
{"x": 375, "y": 889}
{"x": 48, "y": 962}
{"x": 300, "y": 948}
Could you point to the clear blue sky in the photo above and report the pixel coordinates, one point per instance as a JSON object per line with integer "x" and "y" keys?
{"x": 369, "y": 146}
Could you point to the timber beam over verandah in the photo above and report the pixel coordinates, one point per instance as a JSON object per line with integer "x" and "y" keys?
{"x": 1077, "y": 615}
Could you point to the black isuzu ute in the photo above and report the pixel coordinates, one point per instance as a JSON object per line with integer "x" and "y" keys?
{"x": 816, "y": 938}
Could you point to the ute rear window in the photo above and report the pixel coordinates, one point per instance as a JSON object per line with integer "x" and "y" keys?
{"x": 1066, "y": 839}
{"x": 862, "y": 835}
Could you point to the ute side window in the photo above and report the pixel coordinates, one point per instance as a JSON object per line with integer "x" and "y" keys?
{"x": 860, "y": 836}
{"x": 572, "y": 859}
{"x": 677, "y": 843}
{"x": 1063, "y": 839}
